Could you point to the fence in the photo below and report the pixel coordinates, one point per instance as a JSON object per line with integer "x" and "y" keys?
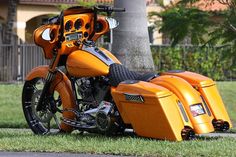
{"x": 30, "y": 56}
{"x": 17, "y": 60}
{"x": 8, "y": 63}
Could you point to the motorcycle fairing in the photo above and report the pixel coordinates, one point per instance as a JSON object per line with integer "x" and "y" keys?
{"x": 208, "y": 90}
{"x": 46, "y": 45}
{"x": 152, "y": 110}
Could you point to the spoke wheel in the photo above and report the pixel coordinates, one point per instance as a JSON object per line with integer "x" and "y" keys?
{"x": 47, "y": 120}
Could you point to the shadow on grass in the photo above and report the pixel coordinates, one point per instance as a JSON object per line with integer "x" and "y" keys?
{"x": 134, "y": 136}
{"x": 13, "y": 133}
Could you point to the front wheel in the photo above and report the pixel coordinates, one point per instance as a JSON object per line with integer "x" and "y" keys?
{"x": 47, "y": 120}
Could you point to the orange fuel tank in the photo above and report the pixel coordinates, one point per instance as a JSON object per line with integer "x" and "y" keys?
{"x": 90, "y": 62}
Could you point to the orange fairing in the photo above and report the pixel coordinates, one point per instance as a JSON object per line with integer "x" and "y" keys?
{"x": 188, "y": 96}
{"x": 79, "y": 23}
{"x": 62, "y": 85}
{"x": 47, "y": 46}
{"x": 104, "y": 28}
{"x": 156, "y": 111}
{"x": 77, "y": 27}
{"x": 208, "y": 90}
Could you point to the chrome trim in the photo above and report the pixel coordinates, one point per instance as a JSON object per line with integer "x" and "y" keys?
{"x": 134, "y": 97}
{"x": 99, "y": 54}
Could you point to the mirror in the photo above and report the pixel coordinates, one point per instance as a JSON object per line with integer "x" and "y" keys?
{"x": 112, "y": 22}
{"x": 46, "y": 34}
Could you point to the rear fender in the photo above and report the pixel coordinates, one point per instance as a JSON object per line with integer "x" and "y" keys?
{"x": 62, "y": 85}
{"x": 188, "y": 96}
{"x": 208, "y": 90}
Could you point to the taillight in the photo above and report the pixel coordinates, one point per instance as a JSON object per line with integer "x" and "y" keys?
{"x": 197, "y": 109}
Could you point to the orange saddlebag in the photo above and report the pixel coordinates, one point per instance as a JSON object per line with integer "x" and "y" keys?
{"x": 151, "y": 110}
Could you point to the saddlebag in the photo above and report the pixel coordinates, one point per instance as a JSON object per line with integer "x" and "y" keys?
{"x": 152, "y": 111}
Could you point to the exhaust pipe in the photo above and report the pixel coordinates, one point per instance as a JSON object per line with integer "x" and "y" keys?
{"x": 220, "y": 125}
{"x": 187, "y": 133}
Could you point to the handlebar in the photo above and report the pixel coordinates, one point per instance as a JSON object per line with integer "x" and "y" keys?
{"x": 99, "y": 8}
{"x": 103, "y": 8}
{"x": 108, "y": 9}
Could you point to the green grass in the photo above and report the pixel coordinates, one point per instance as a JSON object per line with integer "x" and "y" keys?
{"x": 11, "y": 115}
{"x": 228, "y": 93}
{"x": 14, "y": 140}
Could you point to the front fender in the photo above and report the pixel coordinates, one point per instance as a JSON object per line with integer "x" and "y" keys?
{"x": 62, "y": 85}
{"x": 40, "y": 71}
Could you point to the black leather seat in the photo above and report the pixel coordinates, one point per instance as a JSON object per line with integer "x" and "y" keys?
{"x": 119, "y": 73}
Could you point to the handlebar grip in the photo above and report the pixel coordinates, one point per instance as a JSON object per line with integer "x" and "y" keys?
{"x": 118, "y": 9}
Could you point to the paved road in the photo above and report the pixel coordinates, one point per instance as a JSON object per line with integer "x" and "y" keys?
{"x": 233, "y": 135}
{"x": 33, "y": 154}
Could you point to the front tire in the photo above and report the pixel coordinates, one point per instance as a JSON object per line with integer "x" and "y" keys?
{"x": 47, "y": 120}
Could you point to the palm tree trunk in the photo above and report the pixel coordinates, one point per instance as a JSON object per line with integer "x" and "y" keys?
{"x": 11, "y": 15}
{"x": 8, "y": 67}
{"x": 131, "y": 41}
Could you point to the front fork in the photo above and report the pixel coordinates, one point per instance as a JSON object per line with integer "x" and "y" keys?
{"x": 48, "y": 80}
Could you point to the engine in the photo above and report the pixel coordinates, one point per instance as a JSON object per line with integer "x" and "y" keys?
{"x": 96, "y": 107}
{"x": 92, "y": 90}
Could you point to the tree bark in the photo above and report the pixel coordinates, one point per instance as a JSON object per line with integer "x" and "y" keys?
{"x": 8, "y": 66}
{"x": 131, "y": 42}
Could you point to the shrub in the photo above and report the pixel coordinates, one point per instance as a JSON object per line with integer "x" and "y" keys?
{"x": 208, "y": 61}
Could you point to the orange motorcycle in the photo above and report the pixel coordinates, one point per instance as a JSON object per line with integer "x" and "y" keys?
{"x": 86, "y": 88}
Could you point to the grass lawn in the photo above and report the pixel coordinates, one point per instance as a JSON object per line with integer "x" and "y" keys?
{"x": 10, "y": 106}
{"x": 15, "y": 140}
{"x": 12, "y": 114}
{"x": 228, "y": 93}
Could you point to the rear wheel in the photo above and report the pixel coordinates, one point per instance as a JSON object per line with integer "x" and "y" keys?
{"x": 47, "y": 120}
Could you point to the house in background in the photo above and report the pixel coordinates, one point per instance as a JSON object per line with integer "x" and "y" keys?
{"x": 30, "y": 14}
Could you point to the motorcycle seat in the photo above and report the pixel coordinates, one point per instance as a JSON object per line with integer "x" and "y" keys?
{"x": 119, "y": 73}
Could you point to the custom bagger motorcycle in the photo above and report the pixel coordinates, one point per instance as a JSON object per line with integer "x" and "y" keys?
{"x": 86, "y": 88}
